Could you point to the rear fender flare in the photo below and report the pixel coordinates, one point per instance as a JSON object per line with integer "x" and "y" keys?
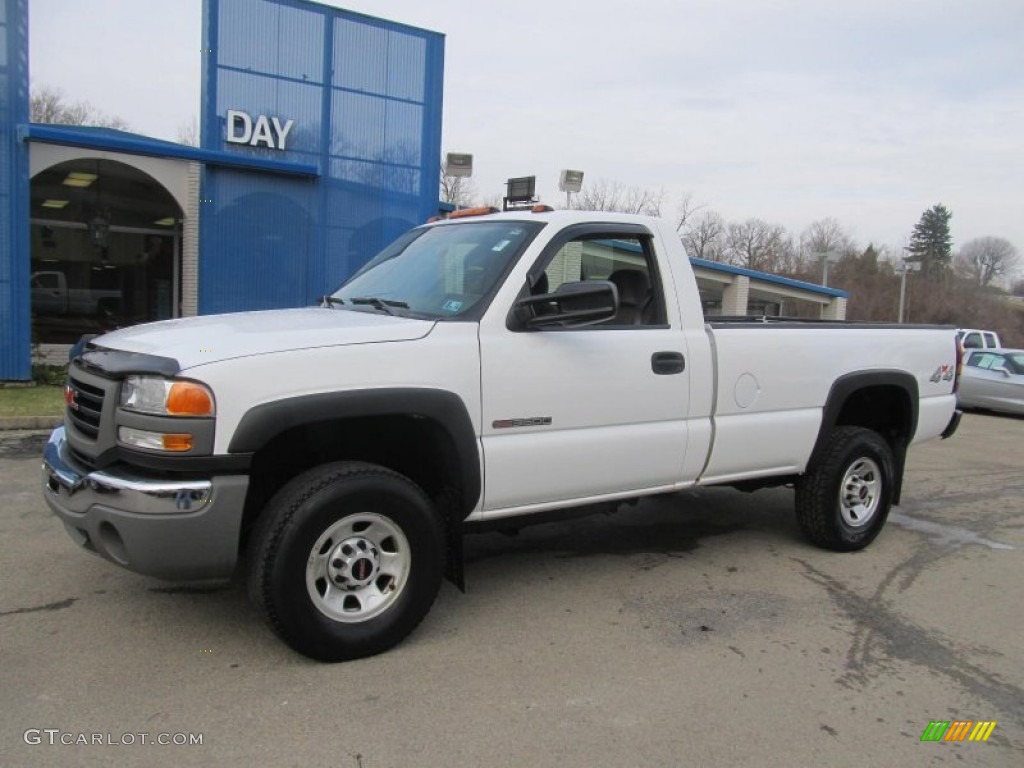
{"x": 845, "y": 387}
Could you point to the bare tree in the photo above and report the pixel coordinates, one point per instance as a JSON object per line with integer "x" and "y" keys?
{"x": 825, "y": 235}
{"x": 756, "y": 244}
{"x": 604, "y": 195}
{"x": 50, "y": 105}
{"x": 703, "y": 237}
{"x": 492, "y": 201}
{"x": 460, "y": 191}
{"x": 685, "y": 211}
{"x": 985, "y": 259}
{"x": 188, "y": 132}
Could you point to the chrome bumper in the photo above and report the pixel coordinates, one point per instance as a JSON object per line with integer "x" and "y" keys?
{"x": 173, "y": 529}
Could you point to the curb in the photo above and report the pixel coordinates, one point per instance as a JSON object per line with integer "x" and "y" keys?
{"x": 30, "y": 422}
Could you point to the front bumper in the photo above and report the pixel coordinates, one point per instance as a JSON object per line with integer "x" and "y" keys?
{"x": 171, "y": 529}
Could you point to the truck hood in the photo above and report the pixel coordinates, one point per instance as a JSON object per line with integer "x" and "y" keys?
{"x": 198, "y": 340}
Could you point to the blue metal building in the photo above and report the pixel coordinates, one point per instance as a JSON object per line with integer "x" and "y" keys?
{"x": 14, "y": 265}
{"x": 320, "y": 142}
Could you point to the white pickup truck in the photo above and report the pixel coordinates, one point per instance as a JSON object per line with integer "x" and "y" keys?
{"x": 483, "y": 369}
{"x": 52, "y": 296}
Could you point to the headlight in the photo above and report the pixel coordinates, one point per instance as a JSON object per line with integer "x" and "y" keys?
{"x": 166, "y": 397}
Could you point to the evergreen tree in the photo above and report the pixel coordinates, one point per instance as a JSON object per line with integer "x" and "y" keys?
{"x": 868, "y": 261}
{"x": 931, "y": 243}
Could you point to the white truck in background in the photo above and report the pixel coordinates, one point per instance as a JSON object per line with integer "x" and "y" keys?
{"x": 51, "y": 295}
{"x": 486, "y": 368}
{"x": 974, "y": 338}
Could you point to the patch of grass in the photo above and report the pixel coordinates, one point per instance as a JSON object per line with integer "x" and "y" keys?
{"x": 31, "y": 401}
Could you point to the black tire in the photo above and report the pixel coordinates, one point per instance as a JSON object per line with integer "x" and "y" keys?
{"x": 844, "y": 499}
{"x": 364, "y": 514}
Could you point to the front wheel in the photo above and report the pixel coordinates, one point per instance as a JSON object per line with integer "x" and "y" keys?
{"x": 346, "y": 561}
{"x": 844, "y": 499}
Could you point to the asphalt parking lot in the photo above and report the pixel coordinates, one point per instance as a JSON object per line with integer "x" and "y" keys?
{"x": 697, "y": 629}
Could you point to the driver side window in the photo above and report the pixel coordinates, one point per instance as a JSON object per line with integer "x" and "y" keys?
{"x": 628, "y": 262}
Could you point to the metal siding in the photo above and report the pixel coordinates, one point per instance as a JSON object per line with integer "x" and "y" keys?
{"x": 365, "y": 95}
{"x": 360, "y": 221}
{"x": 266, "y": 37}
{"x": 15, "y": 313}
{"x": 358, "y": 122}
{"x": 257, "y": 241}
{"x": 404, "y": 127}
{"x": 406, "y": 60}
{"x": 360, "y": 56}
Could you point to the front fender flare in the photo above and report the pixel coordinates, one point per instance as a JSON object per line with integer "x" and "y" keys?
{"x": 263, "y": 422}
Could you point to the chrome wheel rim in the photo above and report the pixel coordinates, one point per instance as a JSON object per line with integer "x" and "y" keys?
{"x": 860, "y": 493}
{"x": 358, "y": 567}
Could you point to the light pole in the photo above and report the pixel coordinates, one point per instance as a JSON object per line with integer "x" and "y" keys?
{"x": 905, "y": 266}
{"x": 826, "y": 257}
{"x": 568, "y": 182}
{"x": 458, "y": 165}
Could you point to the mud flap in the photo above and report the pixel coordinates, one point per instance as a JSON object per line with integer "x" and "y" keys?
{"x": 451, "y": 509}
{"x": 454, "y": 569}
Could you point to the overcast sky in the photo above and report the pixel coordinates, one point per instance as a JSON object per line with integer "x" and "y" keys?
{"x": 868, "y": 111}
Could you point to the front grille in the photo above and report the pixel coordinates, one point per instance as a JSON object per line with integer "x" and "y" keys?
{"x": 86, "y": 407}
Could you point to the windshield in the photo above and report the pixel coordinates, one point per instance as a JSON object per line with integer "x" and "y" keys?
{"x": 440, "y": 271}
{"x": 1015, "y": 362}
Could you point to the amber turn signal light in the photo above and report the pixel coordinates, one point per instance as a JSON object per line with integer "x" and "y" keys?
{"x": 189, "y": 399}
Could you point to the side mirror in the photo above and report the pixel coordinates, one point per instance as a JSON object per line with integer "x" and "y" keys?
{"x": 572, "y": 305}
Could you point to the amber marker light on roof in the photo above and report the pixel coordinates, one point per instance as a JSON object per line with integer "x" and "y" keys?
{"x": 541, "y": 208}
{"x": 187, "y": 398}
{"x": 483, "y": 210}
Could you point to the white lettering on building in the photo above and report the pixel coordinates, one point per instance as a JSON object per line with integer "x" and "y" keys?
{"x": 263, "y": 131}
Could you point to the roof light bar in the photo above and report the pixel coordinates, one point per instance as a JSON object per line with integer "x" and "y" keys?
{"x": 483, "y": 210}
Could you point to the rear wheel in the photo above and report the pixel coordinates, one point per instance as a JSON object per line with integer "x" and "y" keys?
{"x": 346, "y": 561}
{"x": 844, "y": 499}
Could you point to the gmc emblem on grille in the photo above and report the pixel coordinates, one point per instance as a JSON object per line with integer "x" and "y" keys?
{"x": 70, "y": 397}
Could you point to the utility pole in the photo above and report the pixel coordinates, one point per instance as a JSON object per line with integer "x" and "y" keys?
{"x": 569, "y": 182}
{"x": 458, "y": 166}
{"x": 905, "y": 266}
{"x": 826, "y": 257}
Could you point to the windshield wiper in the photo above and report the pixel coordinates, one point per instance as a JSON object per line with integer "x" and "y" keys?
{"x": 330, "y": 301}
{"x": 384, "y": 305}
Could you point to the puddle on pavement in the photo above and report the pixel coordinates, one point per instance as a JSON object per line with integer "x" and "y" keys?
{"x": 23, "y": 444}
